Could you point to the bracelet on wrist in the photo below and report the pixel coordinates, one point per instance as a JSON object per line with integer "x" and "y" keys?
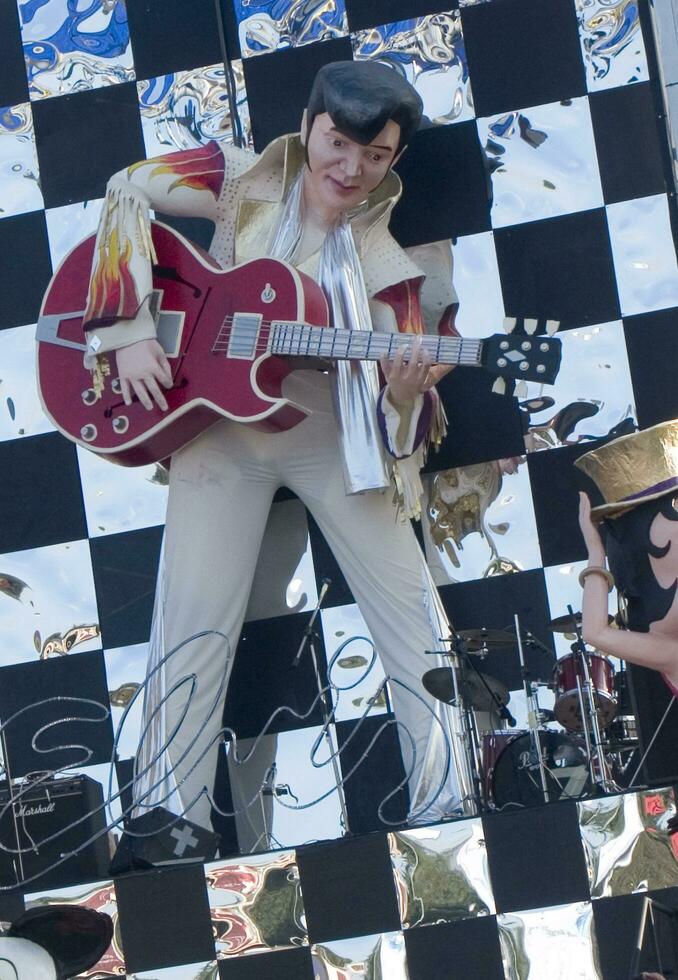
{"x": 597, "y": 570}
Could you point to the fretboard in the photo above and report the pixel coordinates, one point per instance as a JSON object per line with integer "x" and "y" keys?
{"x": 300, "y": 340}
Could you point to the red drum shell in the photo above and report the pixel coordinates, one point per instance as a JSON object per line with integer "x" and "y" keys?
{"x": 567, "y": 709}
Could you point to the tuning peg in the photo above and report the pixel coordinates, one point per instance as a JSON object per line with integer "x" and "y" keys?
{"x": 531, "y": 325}
{"x": 552, "y": 327}
{"x": 499, "y": 387}
{"x": 521, "y": 390}
{"x": 509, "y": 324}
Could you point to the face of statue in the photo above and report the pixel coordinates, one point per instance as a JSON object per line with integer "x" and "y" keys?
{"x": 341, "y": 172}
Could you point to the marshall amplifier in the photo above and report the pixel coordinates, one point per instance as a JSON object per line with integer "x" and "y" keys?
{"x": 70, "y": 808}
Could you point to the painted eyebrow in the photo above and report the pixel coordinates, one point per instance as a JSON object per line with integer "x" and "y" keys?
{"x": 370, "y": 146}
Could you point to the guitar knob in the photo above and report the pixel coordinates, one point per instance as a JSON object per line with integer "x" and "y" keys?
{"x": 89, "y": 396}
{"x": 120, "y": 424}
{"x": 88, "y": 432}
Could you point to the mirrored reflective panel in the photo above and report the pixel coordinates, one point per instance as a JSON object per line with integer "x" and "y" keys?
{"x": 190, "y": 108}
{"x": 48, "y": 605}
{"x": 543, "y": 162}
{"x": 284, "y": 580}
{"x": 21, "y": 413}
{"x": 612, "y": 43}
{"x": 278, "y": 24}
{"x": 19, "y": 172}
{"x": 121, "y": 498}
{"x": 476, "y": 279}
{"x": 74, "y": 47}
{"x": 627, "y": 844}
{"x": 256, "y": 904}
{"x": 125, "y": 672}
{"x": 366, "y": 958}
{"x": 441, "y": 873}
{"x": 430, "y": 53}
{"x": 68, "y": 225}
{"x": 284, "y": 790}
{"x": 563, "y": 588}
{"x": 592, "y": 396}
{"x": 99, "y": 896}
{"x": 549, "y": 944}
{"x": 189, "y": 971}
{"x": 644, "y": 254}
{"x": 480, "y": 521}
{"x": 355, "y": 670}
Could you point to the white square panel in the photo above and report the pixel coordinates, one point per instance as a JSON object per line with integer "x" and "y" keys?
{"x": 554, "y": 943}
{"x": 47, "y": 599}
{"x": 478, "y": 285}
{"x": 19, "y": 172}
{"x": 187, "y": 109}
{"x": 75, "y": 47}
{"x": 69, "y": 225}
{"x": 644, "y": 254}
{"x": 267, "y": 27}
{"x": 121, "y": 498}
{"x": 126, "y": 673}
{"x": 543, "y": 160}
{"x": 21, "y": 413}
{"x": 612, "y": 43}
{"x": 355, "y": 670}
{"x": 430, "y": 52}
{"x": 563, "y": 589}
{"x": 189, "y": 971}
{"x": 369, "y": 956}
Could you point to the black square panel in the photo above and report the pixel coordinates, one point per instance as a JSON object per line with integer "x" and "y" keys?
{"x": 284, "y": 964}
{"x": 373, "y": 13}
{"x": 25, "y": 267}
{"x": 83, "y": 139}
{"x": 482, "y": 425}
{"x": 164, "y": 918}
{"x": 125, "y": 568}
{"x": 348, "y": 888}
{"x": 264, "y": 678}
{"x": 556, "y": 483}
{"x": 13, "y": 81}
{"x": 326, "y": 566}
{"x": 278, "y": 86}
{"x": 617, "y": 925}
{"x": 376, "y": 777}
{"x": 169, "y": 35}
{"x": 79, "y": 675}
{"x": 536, "y": 857}
{"x": 445, "y": 186}
{"x": 466, "y": 950}
{"x": 652, "y": 346}
{"x": 40, "y": 496}
{"x": 624, "y": 120}
{"x": 492, "y": 603}
{"x": 559, "y": 268}
{"x": 508, "y": 69}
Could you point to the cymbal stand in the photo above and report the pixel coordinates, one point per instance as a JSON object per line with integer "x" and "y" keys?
{"x": 532, "y": 710}
{"x": 589, "y": 714}
{"x": 459, "y": 652}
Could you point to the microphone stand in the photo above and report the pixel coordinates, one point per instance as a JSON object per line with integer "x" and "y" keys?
{"x": 459, "y": 651}
{"x": 308, "y": 640}
{"x": 533, "y": 711}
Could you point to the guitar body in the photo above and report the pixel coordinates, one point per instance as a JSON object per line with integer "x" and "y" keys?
{"x": 198, "y": 301}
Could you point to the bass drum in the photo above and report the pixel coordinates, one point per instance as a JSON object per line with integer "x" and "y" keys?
{"x": 511, "y": 770}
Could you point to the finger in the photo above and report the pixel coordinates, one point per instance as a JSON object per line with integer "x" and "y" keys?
{"x": 386, "y": 366}
{"x": 156, "y": 392}
{"x": 126, "y": 391}
{"x": 142, "y": 394}
{"x": 166, "y": 368}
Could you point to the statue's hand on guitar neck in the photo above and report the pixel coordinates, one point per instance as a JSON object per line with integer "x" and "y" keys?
{"x": 142, "y": 368}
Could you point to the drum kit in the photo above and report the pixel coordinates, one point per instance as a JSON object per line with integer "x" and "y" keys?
{"x": 582, "y": 747}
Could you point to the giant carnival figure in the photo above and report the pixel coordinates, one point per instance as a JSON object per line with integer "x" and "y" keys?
{"x": 320, "y": 201}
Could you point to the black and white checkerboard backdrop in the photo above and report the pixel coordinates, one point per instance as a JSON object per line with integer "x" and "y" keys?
{"x": 547, "y": 164}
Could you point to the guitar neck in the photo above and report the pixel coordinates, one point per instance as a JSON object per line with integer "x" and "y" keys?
{"x": 300, "y": 340}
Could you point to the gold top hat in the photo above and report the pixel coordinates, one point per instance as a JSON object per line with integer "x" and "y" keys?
{"x": 634, "y": 469}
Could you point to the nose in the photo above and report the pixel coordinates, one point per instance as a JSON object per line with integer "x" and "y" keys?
{"x": 352, "y": 162}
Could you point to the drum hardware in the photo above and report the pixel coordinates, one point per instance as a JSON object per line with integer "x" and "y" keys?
{"x": 481, "y": 641}
{"x": 565, "y": 624}
{"x": 532, "y": 714}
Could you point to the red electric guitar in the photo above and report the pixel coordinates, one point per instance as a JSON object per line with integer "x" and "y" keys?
{"x": 228, "y": 336}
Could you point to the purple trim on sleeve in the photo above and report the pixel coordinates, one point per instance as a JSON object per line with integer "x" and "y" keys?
{"x": 423, "y": 425}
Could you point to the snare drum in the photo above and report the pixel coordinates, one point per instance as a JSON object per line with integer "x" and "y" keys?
{"x": 511, "y": 770}
{"x": 567, "y": 708}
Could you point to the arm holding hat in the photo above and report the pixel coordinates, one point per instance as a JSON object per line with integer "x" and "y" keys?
{"x": 653, "y": 650}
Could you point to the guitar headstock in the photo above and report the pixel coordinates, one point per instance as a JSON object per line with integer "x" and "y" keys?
{"x": 523, "y": 353}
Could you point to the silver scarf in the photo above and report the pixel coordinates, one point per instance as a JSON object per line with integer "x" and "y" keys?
{"x": 355, "y": 384}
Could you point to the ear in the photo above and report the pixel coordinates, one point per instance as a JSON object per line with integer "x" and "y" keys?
{"x": 303, "y": 130}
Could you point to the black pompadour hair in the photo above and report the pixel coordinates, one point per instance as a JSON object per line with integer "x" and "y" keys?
{"x": 629, "y": 548}
{"x": 361, "y": 97}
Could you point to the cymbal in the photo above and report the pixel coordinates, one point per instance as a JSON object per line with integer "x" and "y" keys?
{"x": 564, "y": 624}
{"x": 476, "y": 639}
{"x": 438, "y": 682}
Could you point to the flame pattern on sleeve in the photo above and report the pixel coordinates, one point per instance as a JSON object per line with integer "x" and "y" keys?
{"x": 404, "y": 298}
{"x": 200, "y": 169}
